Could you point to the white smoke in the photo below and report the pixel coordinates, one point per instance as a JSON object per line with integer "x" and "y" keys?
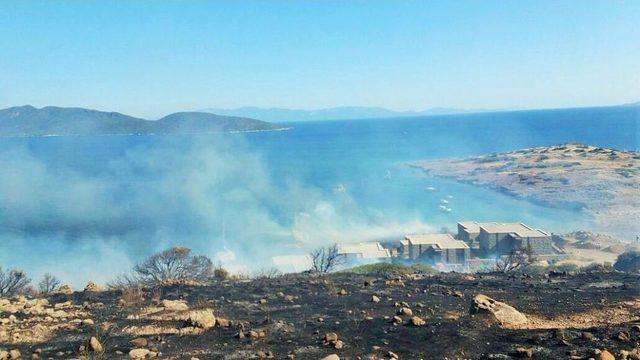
{"x": 214, "y": 195}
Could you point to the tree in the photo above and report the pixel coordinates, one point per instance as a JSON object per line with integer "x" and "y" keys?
{"x": 326, "y": 258}
{"x": 48, "y": 284}
{"x": 174, "y": 265}
{"x": 516, "y": 259}
{"x": 628, "y": 261}
{"x": 13, "y": 282}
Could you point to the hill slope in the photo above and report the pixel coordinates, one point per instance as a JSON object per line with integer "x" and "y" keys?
{"x": 30, "y": 121}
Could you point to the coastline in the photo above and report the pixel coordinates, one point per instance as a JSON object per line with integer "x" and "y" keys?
{"x": 147, "y": 134}
{"x": 595, "y": 181}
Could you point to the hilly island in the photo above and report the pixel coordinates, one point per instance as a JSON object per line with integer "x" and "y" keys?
{"x": 59, "y": 121}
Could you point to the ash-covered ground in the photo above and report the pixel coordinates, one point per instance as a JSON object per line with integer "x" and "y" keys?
{"x": 301, "y": 316}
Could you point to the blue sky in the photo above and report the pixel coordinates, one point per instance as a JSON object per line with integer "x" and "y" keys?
{"x": 148, "y": 58}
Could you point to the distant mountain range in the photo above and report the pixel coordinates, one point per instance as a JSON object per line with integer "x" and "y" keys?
{"x": 347, "y": 112}
{"x": 336, "y": 113}
{"x": 30, "y": 121}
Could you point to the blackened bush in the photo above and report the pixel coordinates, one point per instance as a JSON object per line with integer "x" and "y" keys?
{"x": 628, "y": 261}
{"x": 48, "y": 284}
{"x": 13, "y": 282}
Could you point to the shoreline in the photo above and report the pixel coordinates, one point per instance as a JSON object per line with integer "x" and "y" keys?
{"x": 146, "y": 134}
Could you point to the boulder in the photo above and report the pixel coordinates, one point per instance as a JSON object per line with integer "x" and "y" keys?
{"x": 603, "y": 355}
{"x": 504, "y": 314}
{"x": 65, "y": 289}
{"x": 174, "y": 305}
{"x": 203, "y": 319}
{"x": 92, "y": 287}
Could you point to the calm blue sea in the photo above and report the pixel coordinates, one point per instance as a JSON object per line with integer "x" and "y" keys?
{"x": 103, "y": 202}
{"x": 368, "y": 157}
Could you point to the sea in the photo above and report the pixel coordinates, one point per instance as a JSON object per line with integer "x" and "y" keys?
{"x": 87, "y": 208}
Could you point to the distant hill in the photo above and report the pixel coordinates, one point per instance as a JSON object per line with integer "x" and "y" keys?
{"x": 30, "y": 121}
{"x": 337, "y": 113}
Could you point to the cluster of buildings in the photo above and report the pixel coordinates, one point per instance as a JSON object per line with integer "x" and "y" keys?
{"x": 474, "y": 240}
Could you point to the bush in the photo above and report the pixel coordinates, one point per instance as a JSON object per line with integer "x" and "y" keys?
{"x": 173, "y": 266}
{"x": 568, "y": 268}
{"x": 533, "y": 270}
{"x": 383, "y": 269}
{"x": 628, "y": 261}
{"x": 267, "y": 273}
{"x": 326, "y": 259}
{"x": 13, "y": 282}
{"x": 221, "y": 273}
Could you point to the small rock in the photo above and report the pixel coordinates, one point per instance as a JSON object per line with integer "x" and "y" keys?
{"x": 331, "y": 337}
{"x": 623, "y": 336}
{"x": 375, "y": 299}
{"x": 95, "y": 345}
{"x": 264, "y": 354}
{"x": 138, "y": 353}
{"x": 523, "y": 353}
{"x": 405, "y": 311}
{"x": 417, "y": 321}
{"x": 603, "y": 355}
{"x": 586, "y": 335}
{"x": 139, "y": 342}
{"x": 331, "y": 357}
{"x": 223, "y": 322}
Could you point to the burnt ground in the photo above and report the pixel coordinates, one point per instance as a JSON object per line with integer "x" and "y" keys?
{"x": 569, "y": 317}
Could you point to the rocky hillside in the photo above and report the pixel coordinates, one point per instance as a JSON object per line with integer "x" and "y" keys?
{"x": 50, "y": 120}
{"x": 339, "y": 316}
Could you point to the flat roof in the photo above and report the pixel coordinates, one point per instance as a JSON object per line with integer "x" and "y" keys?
{"x": 442, "y": 241}
{"x": 366, "y": 249}
{"x": 470, "y": 226}
{"x": 518, "y": 229}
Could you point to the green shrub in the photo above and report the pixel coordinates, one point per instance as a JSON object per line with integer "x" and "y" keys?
{"x": 221, "y": 273}
{"x": 533, "y": 270}
{"x": 386, "y": 269}
{"x": 569, "y": 268}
